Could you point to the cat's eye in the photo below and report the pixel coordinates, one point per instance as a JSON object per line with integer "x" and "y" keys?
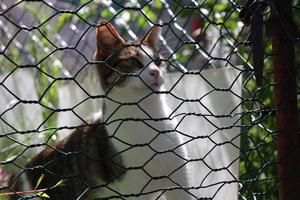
{"x": 126, "y": 69}
{"x": 129, "y": 65}
{"x": 134, "y": 62}
{"x": 157, "y": 62}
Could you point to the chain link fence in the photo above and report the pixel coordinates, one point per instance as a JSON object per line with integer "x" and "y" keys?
{"x": 49, "y": 88}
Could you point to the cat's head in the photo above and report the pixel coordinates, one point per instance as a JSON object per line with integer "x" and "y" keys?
{"x": 128, "y": 64}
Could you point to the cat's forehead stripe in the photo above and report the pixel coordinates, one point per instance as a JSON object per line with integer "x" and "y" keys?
{"x": 130, "y": 51}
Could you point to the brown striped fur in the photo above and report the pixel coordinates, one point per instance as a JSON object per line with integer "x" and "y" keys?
{"x": 81, "y": 159}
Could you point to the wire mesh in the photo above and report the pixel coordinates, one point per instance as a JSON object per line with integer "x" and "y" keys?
{"x": 47, "y": 46}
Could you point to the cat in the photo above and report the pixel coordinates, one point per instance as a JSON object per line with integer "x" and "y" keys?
{"x": 129, "y": 150}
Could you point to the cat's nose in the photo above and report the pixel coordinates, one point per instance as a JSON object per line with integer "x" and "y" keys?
{"x": 154, "y": 73}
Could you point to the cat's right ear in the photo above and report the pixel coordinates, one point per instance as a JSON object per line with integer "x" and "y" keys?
{"x": 108, "y": 38}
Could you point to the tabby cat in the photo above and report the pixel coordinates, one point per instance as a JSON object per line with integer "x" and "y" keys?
{"x": 130, "y": 150}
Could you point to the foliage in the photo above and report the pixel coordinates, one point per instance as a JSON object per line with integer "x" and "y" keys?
{"x": 38, "y": 48}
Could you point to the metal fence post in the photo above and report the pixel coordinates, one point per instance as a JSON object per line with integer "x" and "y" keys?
{"x": 288, "y": 139}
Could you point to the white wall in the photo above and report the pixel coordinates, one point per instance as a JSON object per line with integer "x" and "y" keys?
{"x": 218, "y": 142}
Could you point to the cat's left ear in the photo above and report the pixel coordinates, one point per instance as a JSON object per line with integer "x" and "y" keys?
{"x": 151, "y": 38}
{"x": 108, "y": 37}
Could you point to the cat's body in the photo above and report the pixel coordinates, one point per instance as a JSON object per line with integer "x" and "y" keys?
{"x": 149, "y": 144}
{"x": 131, "y": 150}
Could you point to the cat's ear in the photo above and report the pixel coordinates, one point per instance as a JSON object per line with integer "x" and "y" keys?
{"x": 107, "y": 37}
{"x": 151, "y": 38}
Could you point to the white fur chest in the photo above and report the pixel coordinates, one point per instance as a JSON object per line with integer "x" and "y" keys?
{"x": 146, "y": 140}
{"x": 142, "y": 129}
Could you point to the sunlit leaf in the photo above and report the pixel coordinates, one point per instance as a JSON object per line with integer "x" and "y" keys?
{"x": 106, "y": 14}
{"x": 43, "y": 194}
{"x": 39, "y": 181}
{"x": 62, "y": 20}
{"x": 59, "y": 183}
{"x": 158, "y": 4}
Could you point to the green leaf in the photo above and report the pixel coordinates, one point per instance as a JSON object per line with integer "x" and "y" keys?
{"x": 44, "y": 41}
{"x": 56, "y": 69}
{"x": 220, "y": 6}
{"x": 150, "y": 13}
{"x": 158, "y": 4}
{"x": 142, "y": 23}
{"x": 106, "y": 14}
{"x": 62, "y": 20}
{"x": 43, "y": 194}
{"x": 83, "y": 2}
{"x": 39, "y": 181}
{"x": 59, "y": 183}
